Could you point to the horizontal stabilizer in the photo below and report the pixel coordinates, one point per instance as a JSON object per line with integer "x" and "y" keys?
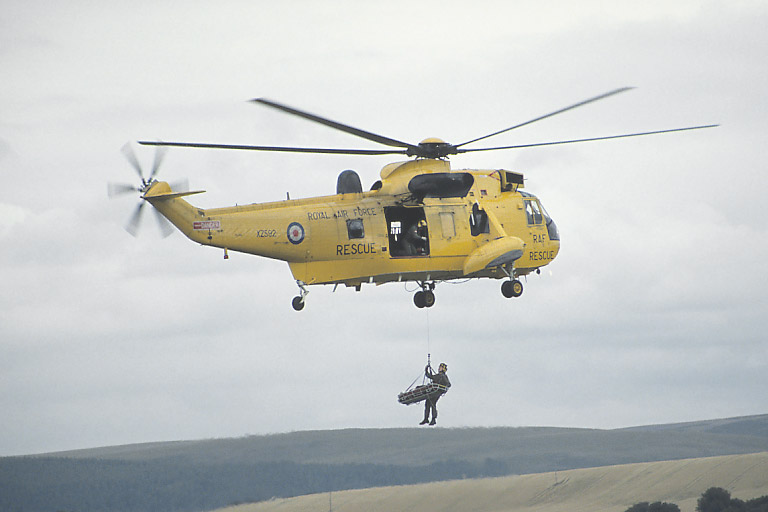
{"x": 171, "y": 195}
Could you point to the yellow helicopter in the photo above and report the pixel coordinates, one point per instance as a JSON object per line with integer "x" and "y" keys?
{"x": 422, "y": 221}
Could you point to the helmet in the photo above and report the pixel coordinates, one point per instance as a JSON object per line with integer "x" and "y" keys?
{"x": 422, "y": 223}
{"x": 442, "y": 368}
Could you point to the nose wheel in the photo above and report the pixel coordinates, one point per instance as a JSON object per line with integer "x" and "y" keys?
{"x": 512, "y": 288}
{"x": 425, "y": 298}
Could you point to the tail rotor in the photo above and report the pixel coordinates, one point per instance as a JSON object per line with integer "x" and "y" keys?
{"x": 121, "y": 189}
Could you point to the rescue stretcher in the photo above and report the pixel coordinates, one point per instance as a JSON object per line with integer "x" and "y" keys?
{"x": 420, "y": 393}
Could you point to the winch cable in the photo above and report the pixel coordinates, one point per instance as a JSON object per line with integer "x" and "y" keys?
{"x": 429, "y": 355}
{"x": 423, "y": 375}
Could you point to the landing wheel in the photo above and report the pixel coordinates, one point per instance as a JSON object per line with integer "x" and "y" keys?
{"x": 424, "y": 299}
{"x": 298, "y": 303}
{"x": 512, "y": 288}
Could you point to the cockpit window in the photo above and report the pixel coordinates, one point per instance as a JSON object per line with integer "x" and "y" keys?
{"x": 536, "y": 215}
{"x": 478, "y": 221}
{"x": 532, "y": 212}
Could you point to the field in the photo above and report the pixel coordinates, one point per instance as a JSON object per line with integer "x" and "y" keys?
{"x": 603, "y": 489}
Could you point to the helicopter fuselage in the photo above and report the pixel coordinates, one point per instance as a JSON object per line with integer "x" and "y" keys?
{"x": 420, "y": 223}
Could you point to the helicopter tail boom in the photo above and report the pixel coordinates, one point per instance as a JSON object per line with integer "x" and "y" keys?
{"x": 178, "y": 211}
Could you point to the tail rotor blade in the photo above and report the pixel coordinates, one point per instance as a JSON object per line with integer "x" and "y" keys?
{"x": 166, "y": 228}
{"x": 114, "y": 189}
{"x": 120, "y": 189}
{"x": 133, "y": 224}
{"x": 131, "y": 157}
{"x": 159, "y": 155}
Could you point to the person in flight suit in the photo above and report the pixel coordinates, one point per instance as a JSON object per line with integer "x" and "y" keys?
{"x": 415, "y": 242}
{"x": 431, "y": 402}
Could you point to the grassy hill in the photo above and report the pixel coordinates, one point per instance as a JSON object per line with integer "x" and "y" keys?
{"x": 202, "y": 475}
{"x": 527, "y": 449}
{"x": 605, "y": 489}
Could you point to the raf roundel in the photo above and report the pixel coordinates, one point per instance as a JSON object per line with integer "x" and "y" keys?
{"x": 295, "y": 233}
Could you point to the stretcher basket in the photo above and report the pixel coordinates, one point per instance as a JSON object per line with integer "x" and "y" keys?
{"x": 420, "y": 393}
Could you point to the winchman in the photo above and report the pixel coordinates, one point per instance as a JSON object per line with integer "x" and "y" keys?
{"x": 430, "y": 403}
{"x": 415, "y": 240}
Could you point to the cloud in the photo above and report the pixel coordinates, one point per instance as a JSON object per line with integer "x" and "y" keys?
{"x": 652, "y": 312}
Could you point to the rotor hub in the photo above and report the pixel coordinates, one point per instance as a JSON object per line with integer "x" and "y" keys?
{"x": 433, "y": 147}
{"x": 146, "y": 184}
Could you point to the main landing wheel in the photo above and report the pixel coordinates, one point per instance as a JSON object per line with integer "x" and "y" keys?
{"x": 512, "y": 288}
{"x": 298, "y": 303}
{"x": 424, "y": 299}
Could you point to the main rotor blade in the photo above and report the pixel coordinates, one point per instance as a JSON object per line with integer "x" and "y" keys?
{"x": 579, "y": 104}
{"x": 276, "y": 148}
{"x": 589, "y": 140}
{"x": 131, "y": 156}
{"x": 333, "y": 124}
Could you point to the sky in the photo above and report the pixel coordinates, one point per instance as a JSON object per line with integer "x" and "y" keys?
{"x": 653, "y": 312}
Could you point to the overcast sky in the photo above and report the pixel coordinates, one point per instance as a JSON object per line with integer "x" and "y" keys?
{"x": 653, "y": 312}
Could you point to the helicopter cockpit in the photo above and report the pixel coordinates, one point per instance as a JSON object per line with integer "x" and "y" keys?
{"x": 537, "y": 215}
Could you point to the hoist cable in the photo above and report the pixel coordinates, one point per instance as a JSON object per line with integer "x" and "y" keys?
{"x": 428, "y": 338}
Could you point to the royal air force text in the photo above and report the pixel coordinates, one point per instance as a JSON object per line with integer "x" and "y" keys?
{"x": 358, "y": 211}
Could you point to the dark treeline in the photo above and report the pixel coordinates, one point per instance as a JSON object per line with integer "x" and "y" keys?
{"x": 51, "y": 484}
{"x": 717, "y": 499}
{"x": 714, "y": 499}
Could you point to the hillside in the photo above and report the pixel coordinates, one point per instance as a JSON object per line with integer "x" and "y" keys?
{"x": 525, "y": 449}
{"x": 202, "y": 475}
{"x": 605, "y": 489}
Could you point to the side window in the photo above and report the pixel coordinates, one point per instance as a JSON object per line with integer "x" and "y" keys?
{"x": 355, "y": 228}
{"x": 478, "y": 221}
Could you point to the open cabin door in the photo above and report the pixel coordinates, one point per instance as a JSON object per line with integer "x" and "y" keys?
{"x": 408, "y": 231}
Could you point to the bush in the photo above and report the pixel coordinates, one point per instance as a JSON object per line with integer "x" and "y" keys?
{"x": 714, "y": 499}
{"x": 654, "y": 507}
{"x": 717, "y": 499}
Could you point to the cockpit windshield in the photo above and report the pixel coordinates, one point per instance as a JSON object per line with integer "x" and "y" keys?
{"x": 552, "y": 231}
{"x": 537, "y": 215}
{"x": 532, "y": 211}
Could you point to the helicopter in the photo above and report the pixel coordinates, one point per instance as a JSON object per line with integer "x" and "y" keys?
{"x": 422, "y": 221}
